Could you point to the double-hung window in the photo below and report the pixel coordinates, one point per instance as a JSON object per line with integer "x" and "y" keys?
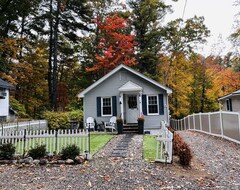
{"x": 152, "y": 105}
{"x": 106, "y": 106}
{"x": 229, "y": 104}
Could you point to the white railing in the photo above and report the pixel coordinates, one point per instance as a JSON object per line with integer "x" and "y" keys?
{"x": 164, "y": 144}
{"x": 29, "y": 125}
{"x": 54, "y": 140}
{"x": 222, "y": 124}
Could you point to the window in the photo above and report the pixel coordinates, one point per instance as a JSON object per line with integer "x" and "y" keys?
{"x": 229, "y": 104}
{"x": 132, "y": 102}
{"x": 152, "y": 105}
{"x": 107, "y": 106}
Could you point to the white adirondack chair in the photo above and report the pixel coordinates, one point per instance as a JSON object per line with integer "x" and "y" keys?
{"x": 90, "y": 124}
{"x": 111, "y": 124}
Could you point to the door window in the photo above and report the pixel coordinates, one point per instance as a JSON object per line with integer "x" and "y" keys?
{"x": 132, "y": 102}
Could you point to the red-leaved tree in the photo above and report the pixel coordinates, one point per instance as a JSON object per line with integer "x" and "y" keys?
{"x": 116, "y": 46}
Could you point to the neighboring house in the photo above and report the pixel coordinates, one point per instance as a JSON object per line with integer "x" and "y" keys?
{"x": 231, "y": 102}
{"x": 128, "y": 94}
{"x": 5, "y": 111}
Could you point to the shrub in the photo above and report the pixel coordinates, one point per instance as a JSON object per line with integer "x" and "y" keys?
{"x": 70, "y": 152}
{"x": 185, "y": 155}
{"x": 76, "y": 115}
{"x": 57, "y": 120}
{"x": 38, "y": 152}
{"x": 7, "y": 151}
{"x": 177, "y": 142}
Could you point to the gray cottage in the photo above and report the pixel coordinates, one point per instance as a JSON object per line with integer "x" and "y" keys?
{"x": 231, "y": 102}
{"x": 128, "y": 94}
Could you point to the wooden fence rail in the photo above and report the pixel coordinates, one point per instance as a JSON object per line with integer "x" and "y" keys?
{"x": 164, "y": 144}
{"x": 54, "y": 140}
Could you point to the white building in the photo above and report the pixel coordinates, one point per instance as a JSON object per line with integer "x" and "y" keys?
{"x": 4, "y": 100}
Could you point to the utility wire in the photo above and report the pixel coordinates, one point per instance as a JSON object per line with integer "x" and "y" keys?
{"x": 184, "y": 9}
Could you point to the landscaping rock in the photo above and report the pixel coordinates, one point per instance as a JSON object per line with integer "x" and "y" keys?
{"x": 28, "y": 160}
{"x": 43, "y": 162}
{"x": 60, "y": 162}
{"x": 36, "y": 161}
{"x": 69, "y": 161}
{"x": 79, "y": 159}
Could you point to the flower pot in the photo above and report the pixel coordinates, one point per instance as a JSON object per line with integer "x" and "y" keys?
{"x": 140, "y": 127}
{"x": 120, "y": 127}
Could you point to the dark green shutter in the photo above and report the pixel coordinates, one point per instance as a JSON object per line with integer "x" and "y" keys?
{"x": 114, "y": 105}
{"x": 144, "y": 104}
{"x": 161, "y": 104}
{"x": 98, "y": 106}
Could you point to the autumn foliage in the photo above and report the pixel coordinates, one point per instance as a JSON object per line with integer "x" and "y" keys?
{"x": 116, "y": 46}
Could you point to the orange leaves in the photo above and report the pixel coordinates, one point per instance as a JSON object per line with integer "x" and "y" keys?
{"x": 116, "y": 46}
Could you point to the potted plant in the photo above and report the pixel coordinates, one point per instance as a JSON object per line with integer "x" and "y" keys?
{"x": 141, "y": 124}
{"x": 120, "y": 125}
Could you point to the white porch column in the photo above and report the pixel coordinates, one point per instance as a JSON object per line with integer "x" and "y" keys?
{"x": 140, "y": 103}
{"x": 121, "y": 105}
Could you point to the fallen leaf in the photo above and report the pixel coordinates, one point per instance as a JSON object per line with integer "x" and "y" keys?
{"x": 89, "y": 184}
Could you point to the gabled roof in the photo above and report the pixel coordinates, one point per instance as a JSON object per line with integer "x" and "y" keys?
{"x": 130, "y": 86}
{"x": 4, "y": 84}
{"x": 236, "y": 93}
{"x": 81, "y": 94}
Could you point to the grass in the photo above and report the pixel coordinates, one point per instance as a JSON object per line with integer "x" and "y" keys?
{"x": 97, "y": 141}
{"x": 149, "y": 147}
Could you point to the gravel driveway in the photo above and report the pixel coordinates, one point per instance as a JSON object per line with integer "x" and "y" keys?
{"x": 216, "y": 165}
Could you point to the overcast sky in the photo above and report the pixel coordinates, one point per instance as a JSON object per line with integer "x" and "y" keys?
{"x": 219, "y": 18}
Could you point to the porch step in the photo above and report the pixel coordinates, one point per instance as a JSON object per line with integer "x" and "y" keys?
{"x": 130, "y": 128}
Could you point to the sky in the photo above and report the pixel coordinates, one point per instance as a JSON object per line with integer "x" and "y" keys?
{"x": 219, "y": 18}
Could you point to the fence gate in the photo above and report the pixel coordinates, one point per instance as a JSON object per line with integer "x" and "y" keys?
{"x": 164, "y": 145}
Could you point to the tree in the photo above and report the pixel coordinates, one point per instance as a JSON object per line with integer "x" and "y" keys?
{"x": 115, "y": 47}
{"x": 145, "y": 19}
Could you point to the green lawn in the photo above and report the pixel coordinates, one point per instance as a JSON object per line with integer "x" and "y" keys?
{"x": 149, "y": 147}
{"x": 97, "y": 141}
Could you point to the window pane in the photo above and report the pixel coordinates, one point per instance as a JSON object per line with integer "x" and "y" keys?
{"x": 152, "y": 104}
{"x": 107, "y": 107}
{"x": 132, "y": 102}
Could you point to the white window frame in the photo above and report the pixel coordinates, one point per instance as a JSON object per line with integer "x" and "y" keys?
{"x": 157, "y": 105}
{"x": 102, "y": 106}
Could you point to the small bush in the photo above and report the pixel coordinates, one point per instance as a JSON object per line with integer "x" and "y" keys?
{"x": 38, "y": 152}
{"x": 57, "y": 120}
{"x": 185, "y": 155}
{"x": 70, "y": 152}
{"x": 177, "y": 142}
{"x": 7, "y": 151}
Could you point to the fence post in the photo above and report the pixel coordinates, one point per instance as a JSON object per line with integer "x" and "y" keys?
{"x": 200, "y": 120}
{"x": 24, "y": 141}
{"x": 194, "y": 122}
{"x": 239, "y": 124}
{"x": 209, "y": 122}
{"x": 56, "y": 140}
{"x": 221, "y": 123}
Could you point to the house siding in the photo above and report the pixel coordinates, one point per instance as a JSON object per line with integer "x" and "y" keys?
{"x": 4, "y": 105}
{"x": 109, "y": 88}
{"x": 235, "y": 104}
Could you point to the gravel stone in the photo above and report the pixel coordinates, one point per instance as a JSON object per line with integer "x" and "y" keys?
{"x": 215, "y": 165}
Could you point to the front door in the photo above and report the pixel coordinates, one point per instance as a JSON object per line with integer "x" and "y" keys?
{"x": 131, "y": 108}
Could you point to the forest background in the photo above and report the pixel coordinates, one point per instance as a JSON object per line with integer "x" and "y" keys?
{"x": 50, "y": 50}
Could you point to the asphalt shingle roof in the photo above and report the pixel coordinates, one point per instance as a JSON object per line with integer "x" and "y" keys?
{"x": 4, "y": 84}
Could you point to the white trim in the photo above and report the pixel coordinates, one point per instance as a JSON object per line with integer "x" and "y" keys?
{"x": 82, "y": 94}
{"x": 102, "y": 106}
{"x": 236, "y": 93}
{"x": 157, "y": 105}
{"x": 130, "y": 87}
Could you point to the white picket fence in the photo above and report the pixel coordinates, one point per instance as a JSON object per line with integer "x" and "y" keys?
{"x": 29, "y": 125}
{"x": 164, "y": 144}
{"x": 222, "y": 124}
{"x": 54, "y": 140}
